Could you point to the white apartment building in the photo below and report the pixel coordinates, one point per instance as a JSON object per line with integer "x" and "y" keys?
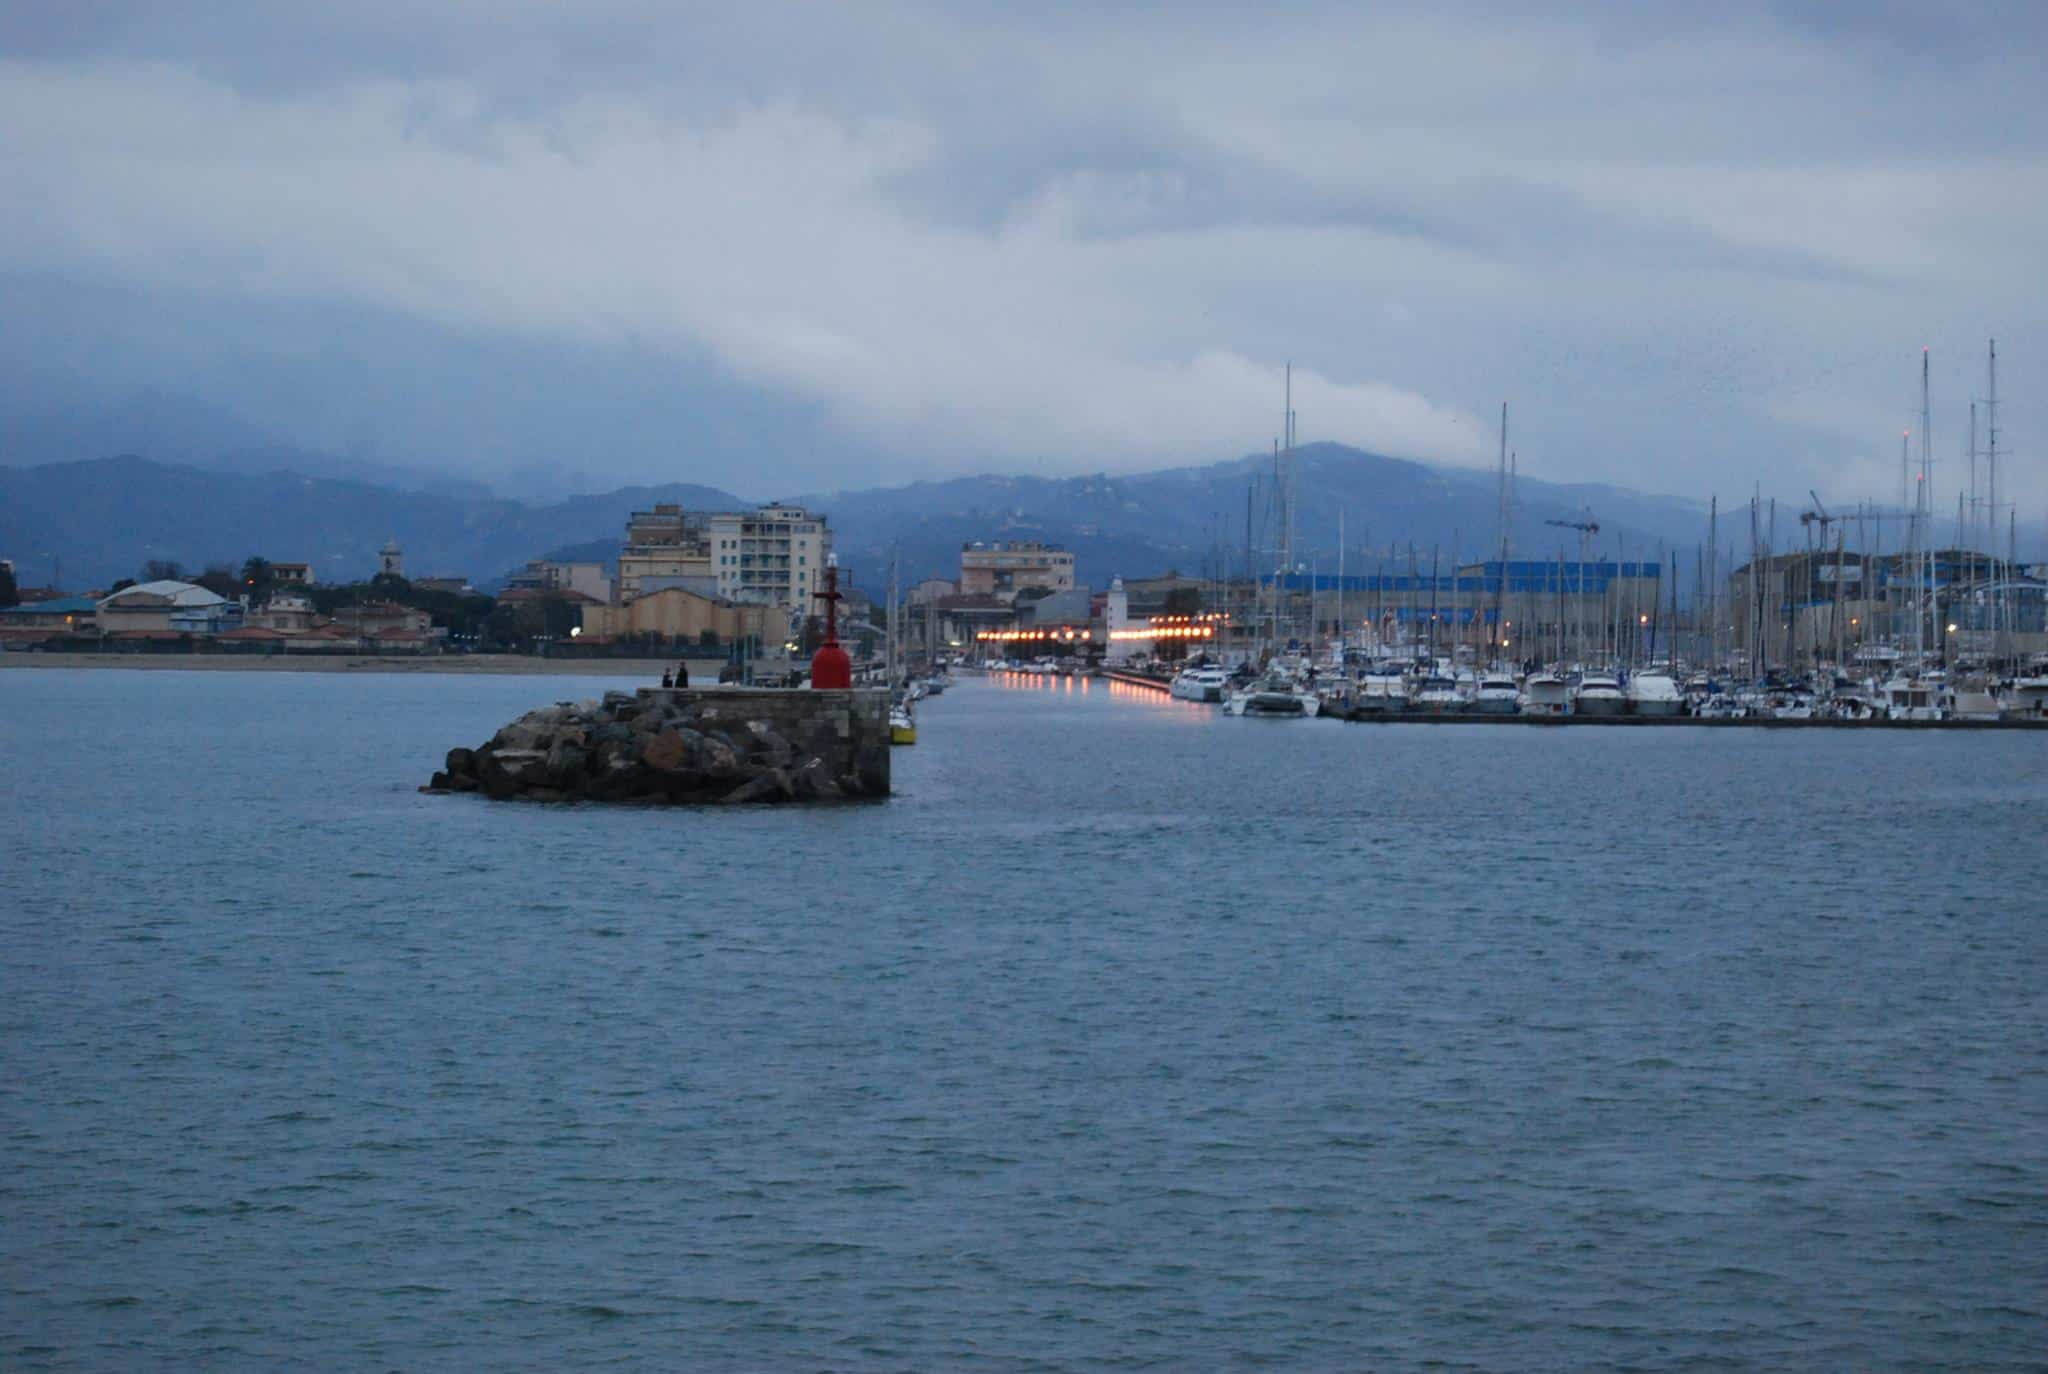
{"x": 773, "y": 556}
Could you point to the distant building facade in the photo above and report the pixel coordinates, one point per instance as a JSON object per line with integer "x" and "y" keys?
{"x": 285, "y": 611}
{"x": 1002, "y": 569}
{"x": 33, "y": 621}
{"x": 679, "y": 614}
{"x": 666, "y": 542}
{"x": 931, "y": 589}
{"x": 1797, "y": 607}
{"x": 544, "y": 575}
{"x": 387, "y": 626}
{"x": 165, "y": 607}
{"x": 773, "y": 556}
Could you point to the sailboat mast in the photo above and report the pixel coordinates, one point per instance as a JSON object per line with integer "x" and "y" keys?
{"x": 1909, "y": 556}
{"x": 1927, "y": 495}
{"x": 1283, "y": 472}
{"x": 1251, "y": 571}
{"x": 1434, "y": 552}
{"x": 1969, "y": 538}
{"x": 1560, "y": 606}
{"x": 1756, "y": 600}
{"x": 1991, "y": 507}
{"x": 1713, "y": 588}
{"x": 1699, "y": 583}
{"x": 889, "y": 640}
{"x": 1272, "y": 526}
{"x": 1504, "y": 570}
{"x": 1500, "y": 593}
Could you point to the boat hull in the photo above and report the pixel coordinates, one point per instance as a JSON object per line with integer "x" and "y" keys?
{"x": 1974, "y": 705}
{"x": 1273, "y": 705}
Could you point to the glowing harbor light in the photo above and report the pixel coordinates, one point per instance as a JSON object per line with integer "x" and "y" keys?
{"x": 1167, "y": 632}
{"x": 1013, "y": 636}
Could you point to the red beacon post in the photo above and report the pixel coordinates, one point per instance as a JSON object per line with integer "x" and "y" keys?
{"x": 831, "y": 669}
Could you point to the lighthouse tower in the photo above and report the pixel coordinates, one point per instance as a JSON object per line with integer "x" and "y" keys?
{"x": 391, "y": 562}
{"x": 1116, "y": 616}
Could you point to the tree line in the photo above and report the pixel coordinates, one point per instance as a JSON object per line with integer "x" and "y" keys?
{"x": 470, "y": 618}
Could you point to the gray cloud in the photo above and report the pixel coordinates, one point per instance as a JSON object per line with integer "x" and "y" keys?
{"x": 1693, "y": 253}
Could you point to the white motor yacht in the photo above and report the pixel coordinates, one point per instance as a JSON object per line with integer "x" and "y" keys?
{"x": 1275, "y": 695}
{"x": 1974, "y": 700}
{"x": 1382, "y": 690}
{"x": 1205, "y": 683}
{"x": 1653, "y": 692}
{"x": 1438, "y": 695}
{"x": 1599, "y": 694}
{"x": 1546, "y": 694}
{"x": 1910, "y": 698}
{"x": 1497, "y": 695}
{"x": 1847, "y": 700}
{"x": 1790, "y": 703}
{"x": 2026, "y": 699}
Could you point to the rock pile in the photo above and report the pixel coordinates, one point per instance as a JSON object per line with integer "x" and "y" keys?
{"x": 682, "y": 746}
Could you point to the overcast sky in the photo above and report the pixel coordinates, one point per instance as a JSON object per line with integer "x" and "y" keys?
{"x": 779, "y": 247}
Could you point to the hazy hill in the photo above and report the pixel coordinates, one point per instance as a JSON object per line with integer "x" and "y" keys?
{"x": 105, "y": 517}
{"x": 1194, "y": 518}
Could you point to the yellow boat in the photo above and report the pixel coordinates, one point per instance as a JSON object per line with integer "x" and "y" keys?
{"x": 902, "y": 729}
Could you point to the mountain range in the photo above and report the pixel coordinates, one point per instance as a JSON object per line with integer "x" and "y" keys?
{"x": 101, "y": 519}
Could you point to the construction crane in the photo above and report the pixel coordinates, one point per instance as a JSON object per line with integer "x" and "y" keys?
{"x": 1818, "y": 515}
{"x": 1587, "y": 528}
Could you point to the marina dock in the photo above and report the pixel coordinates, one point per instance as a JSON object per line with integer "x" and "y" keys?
{"x": 1735, "y": 722}
{"x": 1163, "y": 687}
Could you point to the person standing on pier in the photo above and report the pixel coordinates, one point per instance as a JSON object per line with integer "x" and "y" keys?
{"x": 682, "y": 673}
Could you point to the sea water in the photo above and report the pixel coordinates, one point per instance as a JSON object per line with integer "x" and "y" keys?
{"x": 1123, "y": 1036}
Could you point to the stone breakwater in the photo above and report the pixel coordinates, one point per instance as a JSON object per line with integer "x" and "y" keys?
{"x": 661, "y": 746}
